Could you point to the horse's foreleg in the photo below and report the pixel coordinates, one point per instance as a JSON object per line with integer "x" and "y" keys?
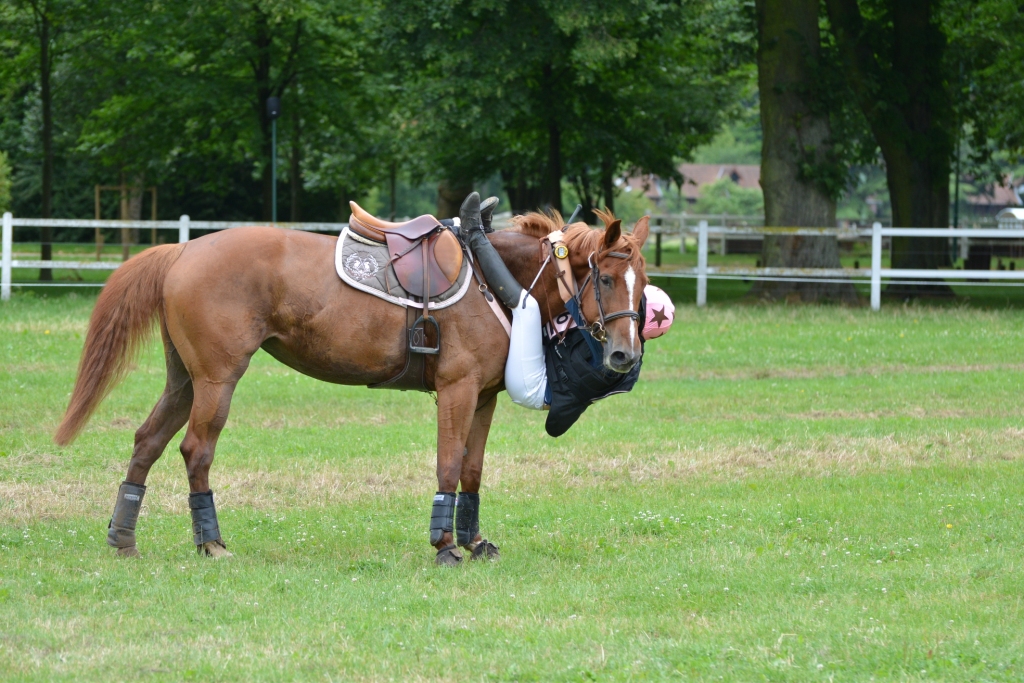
{"x": 168, "y": 416}
{"x": 456, "y": 405}
{"x": 467, "y": 516}
{"x": 209, "y": 415}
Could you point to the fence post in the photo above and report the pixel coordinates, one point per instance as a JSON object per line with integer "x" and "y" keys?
{"x": 183, "y": 229}
{"x": 876, "y": 266}
{"x": 702, "y": 264}
{"x": 7, "y": 256}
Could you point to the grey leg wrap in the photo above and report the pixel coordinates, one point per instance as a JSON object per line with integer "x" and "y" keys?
{"x": 441, "y": 516}
{"x": 121, "y": 530}
{"x": 467, "y": 517}
{"x": 204, "y": 518}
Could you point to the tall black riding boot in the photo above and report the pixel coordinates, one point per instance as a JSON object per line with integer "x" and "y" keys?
{"x": 487, "y": 207}
{"x": 498, "y": 276}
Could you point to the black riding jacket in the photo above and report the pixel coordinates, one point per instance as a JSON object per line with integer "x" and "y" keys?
{"x": 577, "y": 376}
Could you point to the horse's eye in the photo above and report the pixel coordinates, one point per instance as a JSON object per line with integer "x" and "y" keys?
{"x": 606, "y": 281}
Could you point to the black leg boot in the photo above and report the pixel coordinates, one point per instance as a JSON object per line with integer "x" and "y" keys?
{"x": 205, "y": 529}
{"x": 121, "y": 530}
{"x": 467, "y": 528}
{"x": 441, "y": 523}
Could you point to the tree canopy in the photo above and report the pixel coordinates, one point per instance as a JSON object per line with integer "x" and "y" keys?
{"x": 542, "y": 91}
{"x": 536, "y": 97}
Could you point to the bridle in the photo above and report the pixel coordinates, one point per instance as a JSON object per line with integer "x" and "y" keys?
{"x": 597, "y": 329}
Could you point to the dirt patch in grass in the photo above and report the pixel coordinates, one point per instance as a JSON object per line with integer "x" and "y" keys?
{"x": 41, "y": 326}
{"x": 827, "y": 372}
{"x": 291, "y": 484}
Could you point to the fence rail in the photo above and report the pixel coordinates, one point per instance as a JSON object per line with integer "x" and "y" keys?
{"x": 183, "y": 225}
{"x": 875, "y": 274}
{"x": 703, "y": 272}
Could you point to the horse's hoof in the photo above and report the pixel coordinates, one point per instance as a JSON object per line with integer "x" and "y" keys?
{"x": 449, "y": 556}
{"x": 130, "y": 551}
{"x": 485, "y": 550}
{"x": 214, "y": 549}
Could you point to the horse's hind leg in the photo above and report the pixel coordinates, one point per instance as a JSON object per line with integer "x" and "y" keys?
{"x": 168, "y": 416}
{"x": 209, "y": 415}
{"x": 467, "y": 513}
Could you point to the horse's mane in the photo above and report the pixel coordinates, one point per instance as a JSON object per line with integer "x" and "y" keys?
{"x": 578, "y": 236}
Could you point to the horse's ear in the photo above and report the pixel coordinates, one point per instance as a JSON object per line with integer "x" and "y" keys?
{"x": 612, "y": 233}
{"x": 641, "y": 230}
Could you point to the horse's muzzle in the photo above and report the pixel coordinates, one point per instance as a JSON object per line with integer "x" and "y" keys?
{"x": 621, "y": 361}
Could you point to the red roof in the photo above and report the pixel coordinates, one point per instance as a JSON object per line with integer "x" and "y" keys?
{"x": 749, "y": 175}
{"x": 695, "y": 175}
{"x": 1002, "y": 194}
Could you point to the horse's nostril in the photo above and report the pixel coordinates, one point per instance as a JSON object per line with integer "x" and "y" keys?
{"x": 618, "y": 358}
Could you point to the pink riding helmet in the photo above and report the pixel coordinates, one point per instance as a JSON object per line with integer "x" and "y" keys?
{"x": 660, "y": 312}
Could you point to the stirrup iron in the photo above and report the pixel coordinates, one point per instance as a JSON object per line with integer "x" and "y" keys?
{"x": 418, "y": 336}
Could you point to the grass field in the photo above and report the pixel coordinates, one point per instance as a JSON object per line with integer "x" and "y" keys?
{"x": 789, "y": 494}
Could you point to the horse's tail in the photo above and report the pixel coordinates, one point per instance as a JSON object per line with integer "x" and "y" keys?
{"x": 120, "y": 324}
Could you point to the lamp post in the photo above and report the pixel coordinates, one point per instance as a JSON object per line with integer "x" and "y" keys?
{"x": 273, "y": 111}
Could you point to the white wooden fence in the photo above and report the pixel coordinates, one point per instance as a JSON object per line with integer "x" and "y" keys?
{"x": 703, "y": 272}
{"x": 876, "y": 273}
{"x": 183, "y": 225}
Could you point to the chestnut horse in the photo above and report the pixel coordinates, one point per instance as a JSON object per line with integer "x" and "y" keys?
{"x": 221, "y": 297}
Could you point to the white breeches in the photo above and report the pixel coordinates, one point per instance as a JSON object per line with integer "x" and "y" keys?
{"x": 526, "y": 376}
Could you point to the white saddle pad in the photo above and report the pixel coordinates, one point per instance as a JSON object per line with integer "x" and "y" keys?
{"x": 363, "y": 263}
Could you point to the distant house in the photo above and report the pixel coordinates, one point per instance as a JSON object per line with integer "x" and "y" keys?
{"x": 984, "y": 204}
{"x": 994, "y": 198}
{"x": 694, "y": 176}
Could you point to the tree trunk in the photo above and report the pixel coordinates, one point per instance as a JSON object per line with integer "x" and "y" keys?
{"x": 450, "y": 195}
{"x": 123, "y": 215}
{"x": 45, "y": 65}
{"x": 917, "y": 201}
{"x": 903, "y": 94}
{"x": 261, "y": 71}
{"x": 393, "y": 189}
{"x": 795, "y": 137}
{"x": 553, "y": 185}
{"x": 608, "y": 185}
{"x": 295, "y": 167}
{"x": 344, "y": 210}
{"x": 522, "y": 195}
{"x": 587, "y": 198}
{"x": 136, "y": 191}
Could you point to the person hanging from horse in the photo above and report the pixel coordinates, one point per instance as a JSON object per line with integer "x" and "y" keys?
{"x": 560, "y": 366}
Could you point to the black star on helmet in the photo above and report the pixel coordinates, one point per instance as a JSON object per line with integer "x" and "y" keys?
{"x": 659, "y": 316}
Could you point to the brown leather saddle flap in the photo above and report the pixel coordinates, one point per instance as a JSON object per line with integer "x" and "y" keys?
{"x": 444, "y": 261}
{"x": 444, "y": 253}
